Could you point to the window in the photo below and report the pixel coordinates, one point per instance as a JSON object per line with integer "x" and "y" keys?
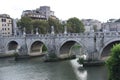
{"x": 8, "y": 28}
{"x": 3, "y": 20}
{"x": 5, "y": 28}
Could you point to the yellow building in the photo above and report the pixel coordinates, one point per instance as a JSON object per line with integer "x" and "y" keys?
{"x": 5, "y": 25}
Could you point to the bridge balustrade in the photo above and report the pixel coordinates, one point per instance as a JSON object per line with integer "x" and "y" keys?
{"x": 107, "y": 34}
{"x": 38, "y": 36}
{"x": 111, "y": 34}
{"x": 73, "y": 35}
{"x": 67, "y": 35}
{"x": 15, "y": 36}
{"x": 50, "y": 35}
{"x": 86, "y": 34}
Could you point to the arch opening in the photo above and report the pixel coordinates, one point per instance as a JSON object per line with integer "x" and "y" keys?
{"x": 38, "y": 48}
{"x": 12, "y": 45}
{"x": 107, "y": 50}
{"x": 71, "y": 48}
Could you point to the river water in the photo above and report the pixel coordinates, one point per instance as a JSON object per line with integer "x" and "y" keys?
{"x": 35, "y": 69}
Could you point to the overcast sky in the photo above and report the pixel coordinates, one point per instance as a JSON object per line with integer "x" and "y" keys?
{"x": 83, "y": 9}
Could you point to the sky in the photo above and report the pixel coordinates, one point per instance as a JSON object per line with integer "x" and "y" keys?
{"x": 101, "y": 10}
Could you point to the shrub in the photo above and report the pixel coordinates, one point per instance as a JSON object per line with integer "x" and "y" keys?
{"x": 44, "y": 48}
{"x": 113, "y": 63}
{"x": 81, "y": 60}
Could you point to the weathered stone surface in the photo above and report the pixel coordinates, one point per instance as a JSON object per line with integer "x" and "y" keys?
{"x": 93, "y": 44}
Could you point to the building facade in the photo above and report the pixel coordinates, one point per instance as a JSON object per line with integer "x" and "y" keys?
{"x": 42, "y": 13}
{"x": 91, "y": 24}
{"x": 6, "y": 26}
{"x": 111, "y": 26}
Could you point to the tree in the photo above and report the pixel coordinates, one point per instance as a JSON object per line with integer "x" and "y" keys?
{"x": 25, "y": 22}
{"x": 57, "y": 25}
{"x": 42, "y": 26}
{"x": 113, "y": 63}
{"x": 75, "y": 25}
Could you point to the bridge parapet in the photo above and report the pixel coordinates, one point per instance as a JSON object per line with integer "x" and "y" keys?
{"x": 86, "y": 34}
{"x": 74, "y": 35}
{"x": 17, "y": 36}
{"x": 38, "y": 36}
{"x": 107, "y": 34}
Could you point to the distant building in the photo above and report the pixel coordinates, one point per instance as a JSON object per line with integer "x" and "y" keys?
{"x": 111, "y": 26}
{"x": 6, "y": 25}
{"x": 42, "y": 13}
{"x": 112, "y": 20}
{"x": 89, "y": 24}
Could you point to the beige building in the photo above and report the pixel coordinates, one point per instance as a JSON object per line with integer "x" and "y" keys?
{"x": 5, "y": 25}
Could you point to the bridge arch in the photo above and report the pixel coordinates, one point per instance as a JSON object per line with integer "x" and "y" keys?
{"x": 67, "y": 45}
{"x": 105, "y": 51}
{"x": 37, "y": 48}
{"x": 12, "y": 46}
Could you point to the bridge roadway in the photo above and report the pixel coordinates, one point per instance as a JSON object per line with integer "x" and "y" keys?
{"x": 95, "y": 45}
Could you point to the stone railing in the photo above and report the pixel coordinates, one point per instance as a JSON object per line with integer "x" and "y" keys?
{"x": 75, "y": 35}
{"x": 61, "y": 35}
{"x": 107, "y": 34}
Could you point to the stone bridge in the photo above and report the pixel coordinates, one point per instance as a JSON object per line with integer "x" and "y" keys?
{"x": 95, "y": 45}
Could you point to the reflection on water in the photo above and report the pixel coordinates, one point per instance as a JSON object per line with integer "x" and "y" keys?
{"x": 79, "y": 71}
{"x": 34, "y": 69}
{"x": 89, "y": 73}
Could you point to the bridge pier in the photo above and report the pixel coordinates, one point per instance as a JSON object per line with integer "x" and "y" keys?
{"x": 51, "y": 45}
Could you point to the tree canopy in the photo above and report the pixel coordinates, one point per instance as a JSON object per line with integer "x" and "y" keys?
{"x": 25, "y": 22}
{"x": 75, "y": 25}
{"x": 113, "y": 63}
{"x": 44, "y": 26}
{"x": 57, "y": 25}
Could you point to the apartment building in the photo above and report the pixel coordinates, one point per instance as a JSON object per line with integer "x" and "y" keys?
{"x": 42, "y": 13}
{"x": 5, "y": 25}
